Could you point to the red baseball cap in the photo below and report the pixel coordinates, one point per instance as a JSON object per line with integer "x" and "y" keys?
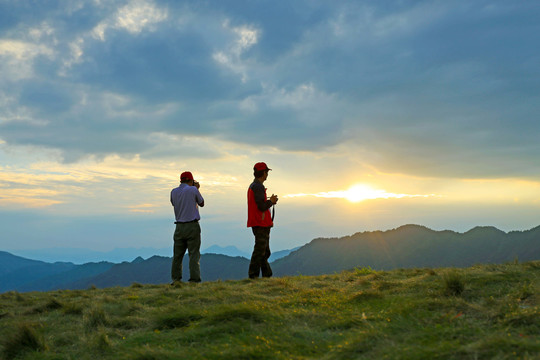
{"x": 261, "y": 166}
{"x": 186, "y": 175}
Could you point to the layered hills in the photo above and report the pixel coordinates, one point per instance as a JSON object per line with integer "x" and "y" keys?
{"x": 409, "y": 246}
{"x": 40, "y": 276}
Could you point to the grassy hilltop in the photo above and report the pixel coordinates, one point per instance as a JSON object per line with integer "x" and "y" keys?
{"x": 481, "y": 312}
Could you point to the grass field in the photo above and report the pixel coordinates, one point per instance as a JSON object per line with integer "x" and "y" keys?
{"x": 482, "y": 312}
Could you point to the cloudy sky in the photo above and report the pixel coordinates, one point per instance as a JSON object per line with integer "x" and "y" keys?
{"x": 371, "y": 114}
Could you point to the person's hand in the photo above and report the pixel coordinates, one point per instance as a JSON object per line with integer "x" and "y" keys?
{"x": 274, "y": 199}
{"x": 196, "y": 184}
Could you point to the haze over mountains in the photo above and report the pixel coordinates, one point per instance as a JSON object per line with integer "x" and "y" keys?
{"x": 404, "y": 247}
{"x": 81, "y": 256}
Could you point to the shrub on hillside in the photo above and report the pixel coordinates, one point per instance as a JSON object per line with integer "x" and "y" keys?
{"x": 94, "y": 318}
{"x": 454, "y": 284}
{"x": 25, "y": 338}
{"x": 178, "y": 319}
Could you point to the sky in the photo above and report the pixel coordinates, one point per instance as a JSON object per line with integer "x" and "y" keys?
{"x": 371, "y": 114}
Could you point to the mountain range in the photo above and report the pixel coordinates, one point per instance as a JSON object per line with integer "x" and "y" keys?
{"x": 411, "y": 246}
{"x": 234, "y": 251}
{"x": 405, "y": 247}
{"x": 20, "y": 274}
{"x": 82, "y": 256}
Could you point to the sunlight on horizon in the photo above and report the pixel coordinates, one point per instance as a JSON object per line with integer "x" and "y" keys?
{"x": 358, "y": 193}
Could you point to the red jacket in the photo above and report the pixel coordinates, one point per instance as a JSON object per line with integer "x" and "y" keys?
{"x": 258, "y": 206}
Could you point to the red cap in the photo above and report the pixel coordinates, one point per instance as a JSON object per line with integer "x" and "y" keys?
{"x": 261, "y": 166}
{"x": 186, "y": 175}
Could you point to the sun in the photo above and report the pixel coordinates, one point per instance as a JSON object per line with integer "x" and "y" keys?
{"x": 360, "y": 192}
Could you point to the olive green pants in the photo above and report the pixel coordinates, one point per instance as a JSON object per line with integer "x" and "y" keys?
{"x": 187, "y": 237}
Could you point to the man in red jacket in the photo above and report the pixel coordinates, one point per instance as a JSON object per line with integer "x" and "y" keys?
{"x": 260, "y": 221}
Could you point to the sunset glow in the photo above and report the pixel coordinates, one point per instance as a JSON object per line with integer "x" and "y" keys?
{"x": 105, "y": 103}
{"x": 360, "y": 192}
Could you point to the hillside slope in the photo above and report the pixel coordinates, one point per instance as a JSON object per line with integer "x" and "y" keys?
{"x": 482, "y": 312}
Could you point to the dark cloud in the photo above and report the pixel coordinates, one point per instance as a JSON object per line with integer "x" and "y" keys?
{"x": 158, "y": 67}
{"x": 283, "y": 23}
{"x": 428, "y": 87}
{"x": 46, "y": 98}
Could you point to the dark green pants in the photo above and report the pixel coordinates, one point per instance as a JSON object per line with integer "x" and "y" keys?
{"x": 261, "y": 253}
{"x": 187, "y": 236}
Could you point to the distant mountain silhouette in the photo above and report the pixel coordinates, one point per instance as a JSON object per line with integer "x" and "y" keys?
{"x": 226, "y": 250}
{"x": 281, "y": 254}
{"x": 64, "y": 279}
{"x": 10, "y": 262}
{"x": 410, "y": 246}
{"x": 83, "y": 256}
{"x": 404, "y": 247}
{"x": 118, "y": 255}
{"x": 234, "y": 251}
{"x": 20, "y": 274}
{"x": 17, "y": 273}
{"x": 157, "y": 270}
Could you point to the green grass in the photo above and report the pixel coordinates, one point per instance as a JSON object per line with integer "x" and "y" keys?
{"x": 482, "y": 312}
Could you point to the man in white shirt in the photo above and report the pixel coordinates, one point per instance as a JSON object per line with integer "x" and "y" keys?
{"x": 186, "y": 200}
